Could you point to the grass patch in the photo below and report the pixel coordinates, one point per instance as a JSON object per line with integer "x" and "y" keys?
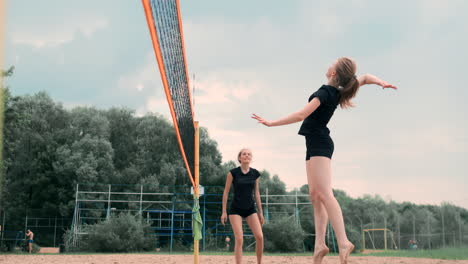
{"x": 460, "y": 253}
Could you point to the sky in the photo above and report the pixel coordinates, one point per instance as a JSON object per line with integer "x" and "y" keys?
{"x": 267, "y": 57}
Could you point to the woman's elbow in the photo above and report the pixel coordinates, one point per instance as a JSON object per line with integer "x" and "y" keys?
{"x": 365, "y": 78}
{"x": 300, "y": 117}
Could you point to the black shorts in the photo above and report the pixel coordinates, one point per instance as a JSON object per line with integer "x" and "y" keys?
{"x": 242, "y": 212}
{"x": 320, "y": 145}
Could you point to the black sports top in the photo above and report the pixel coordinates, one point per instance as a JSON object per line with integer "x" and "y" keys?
{"x": 316, "y": 123}
{"x": 244, "y": 186}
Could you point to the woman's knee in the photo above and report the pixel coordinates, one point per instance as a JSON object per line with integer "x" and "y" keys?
{"x": 239, "y": 241}
{"x": 315, "y": 196}
{"x": 259, "y": 237}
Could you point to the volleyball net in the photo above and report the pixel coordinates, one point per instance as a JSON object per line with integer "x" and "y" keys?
{"x": 165, "y": 25}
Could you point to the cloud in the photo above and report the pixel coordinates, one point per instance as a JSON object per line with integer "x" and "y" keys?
{"x": 61, "y": 32}
{"x": 435, "y": 12}
{"x": 219, "y": 43}
{"x": 438, "y": 139}
{"x": 228, "y": 86}
{"x": 227, "y": 133}
{"x": 154, "y": 104}
{"x": 143, "y": 87}
{"x": 144, "y": 77}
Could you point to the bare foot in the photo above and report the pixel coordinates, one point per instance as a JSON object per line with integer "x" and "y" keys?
{"x": 320, "y": 253}
{"x": 345, "y": 252}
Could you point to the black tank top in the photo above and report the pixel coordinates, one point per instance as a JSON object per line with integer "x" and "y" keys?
{"x": 244, "y": 186}
{"x": 316, "y": 123}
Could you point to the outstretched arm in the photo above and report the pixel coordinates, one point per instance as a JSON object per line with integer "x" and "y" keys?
{"x": 292, "y": 118}
{"x": 371, "y": 79}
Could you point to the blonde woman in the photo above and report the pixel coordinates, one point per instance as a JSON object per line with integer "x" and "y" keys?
{"x": 246, "y": 182}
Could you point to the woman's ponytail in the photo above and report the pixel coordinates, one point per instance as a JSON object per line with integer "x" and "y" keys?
{"x": 348, "y": 92}
{"x": 347, "y": 81}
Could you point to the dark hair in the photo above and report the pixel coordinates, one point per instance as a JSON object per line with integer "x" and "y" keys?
{"x": 346, "y": 80}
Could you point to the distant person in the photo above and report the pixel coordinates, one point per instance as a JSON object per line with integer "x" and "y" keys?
{"x": 413, "y": 244}
{"x": 30, "y": 238}
{"x": 343, "y": 85}
{"x": 228, "y": 243}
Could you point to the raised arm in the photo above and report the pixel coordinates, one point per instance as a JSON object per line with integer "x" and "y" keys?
{"x": 292, "y": 118}
{"x": 371, "y": 79}
{"x": 258, "y": 199}
{"x": 227, "y": 188}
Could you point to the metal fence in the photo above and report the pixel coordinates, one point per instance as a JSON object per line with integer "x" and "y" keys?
{"x": 167, "y": 209}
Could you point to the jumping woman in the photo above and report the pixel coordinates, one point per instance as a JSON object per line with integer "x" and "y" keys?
{"x": 342, "y": 86}
{"x": 246, "y": 182}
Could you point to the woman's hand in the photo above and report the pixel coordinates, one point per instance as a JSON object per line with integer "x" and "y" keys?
{"x": 372, "y": 79}
{"x": 261, "y": 120}
{"x": 224, "y": 218}
{"x": 261, "y": 218}
{"x": 385, "y": 84}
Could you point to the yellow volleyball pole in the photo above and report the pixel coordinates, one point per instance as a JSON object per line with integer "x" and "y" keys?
{"x": 196, "y": 242}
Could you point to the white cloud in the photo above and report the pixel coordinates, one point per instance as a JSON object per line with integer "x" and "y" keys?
{"x": 156, "y": 104}
{"x": 226, "y": 87}
{"x": 144, "y": 79}
{"x": 140, "y": 87}
{"x": 435, "y": 12}
{"x": 226, "y": 133}
{"x": 230, "y": 44}
{"x": 41, "y": 36}
{"x": 438, "y": 139}
{"x": 153, "y": 104}
{"x": 90, "y": 27}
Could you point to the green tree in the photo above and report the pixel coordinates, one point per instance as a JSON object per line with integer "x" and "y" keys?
{"x": 88, "y": 160}
{"x": 34, "y": 126}
{"x": 4, "y": 97}
{"x": 122, "y": 125}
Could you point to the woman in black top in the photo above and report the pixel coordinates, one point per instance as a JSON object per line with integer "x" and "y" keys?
{"x": 246, "y": 181}
{"x": 341, "y": 88}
